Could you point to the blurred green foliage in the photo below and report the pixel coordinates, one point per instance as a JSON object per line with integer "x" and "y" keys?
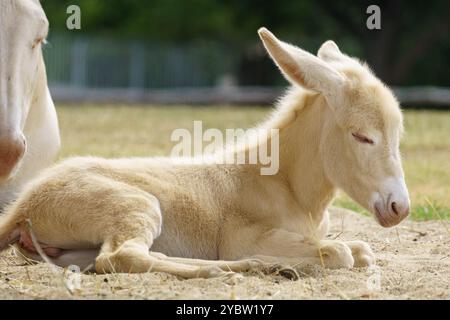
{"x": 412, "y": 47}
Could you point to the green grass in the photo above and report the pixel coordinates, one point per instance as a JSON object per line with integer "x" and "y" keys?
{"x": 420, "y": 212}
{"x": 122, "y": 131}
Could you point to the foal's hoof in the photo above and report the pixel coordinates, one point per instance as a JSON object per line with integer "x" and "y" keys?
{"x": 284, "y": 271}
{"x": 336, "y": 255}
{"x": 289, "y": 273}
{"x": 362, "y": 253}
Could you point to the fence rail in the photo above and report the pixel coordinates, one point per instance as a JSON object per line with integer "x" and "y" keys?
{"x": 101, "y": 70}
{"x": 96, "y": 62}
{"x": 423, "y": 97}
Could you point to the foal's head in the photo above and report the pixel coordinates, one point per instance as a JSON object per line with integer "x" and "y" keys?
{"x": 359, "y": 144}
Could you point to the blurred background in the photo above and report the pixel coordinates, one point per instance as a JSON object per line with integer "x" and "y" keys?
{"x": 137, "y": 70}
{"x": 208, "y": 51}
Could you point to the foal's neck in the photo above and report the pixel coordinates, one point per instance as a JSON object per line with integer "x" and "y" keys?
{"x": 300, "y": 157}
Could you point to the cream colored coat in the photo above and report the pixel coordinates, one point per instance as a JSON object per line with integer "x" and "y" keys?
{"x": 339, "y": 128}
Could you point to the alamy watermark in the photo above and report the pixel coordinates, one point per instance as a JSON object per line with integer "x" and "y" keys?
{"x": 236, "y": 146}
{"x": 72, "y": 278}
{"x": 373, "y": 282}
{"x": 374, "y": 20}
{"x": 73, "y": 21}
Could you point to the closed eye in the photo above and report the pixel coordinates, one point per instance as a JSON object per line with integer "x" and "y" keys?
{"x": 362, "y": 138}
{"x": 37, "y": 42}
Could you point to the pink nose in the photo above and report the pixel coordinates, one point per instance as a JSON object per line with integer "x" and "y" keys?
{"x": 12, "y": 150}
{"x": 399, "y": 208}
{"x": 393, "y": 211}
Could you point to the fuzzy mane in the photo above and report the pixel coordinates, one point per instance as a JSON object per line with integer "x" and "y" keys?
{"x": 285, "y": 112}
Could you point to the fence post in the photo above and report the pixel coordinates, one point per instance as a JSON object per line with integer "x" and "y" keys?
{"x": 137, "y": 66}
{"x": 78, "y": 72}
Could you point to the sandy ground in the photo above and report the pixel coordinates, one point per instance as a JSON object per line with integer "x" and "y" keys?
{"x": 412, "y": 263}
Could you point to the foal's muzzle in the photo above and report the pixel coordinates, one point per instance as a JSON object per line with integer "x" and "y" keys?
{"x": 391, "y": 211}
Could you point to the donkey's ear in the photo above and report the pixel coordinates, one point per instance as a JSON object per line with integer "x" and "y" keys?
{"x": 329, "y": 51}
{"x": 301, "y": 67}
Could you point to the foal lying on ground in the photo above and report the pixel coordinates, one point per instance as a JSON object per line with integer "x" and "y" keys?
{"x": 339, "y": 127}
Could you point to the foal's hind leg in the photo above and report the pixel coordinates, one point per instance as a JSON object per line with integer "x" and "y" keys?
{"x": 235, "y": 266}
{"x": 132, "y": 256}
{"x": 127, "y": 250}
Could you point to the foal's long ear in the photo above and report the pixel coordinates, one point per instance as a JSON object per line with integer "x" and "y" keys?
{"x": 301, "y": 67}
{"x": 329, "y": 52}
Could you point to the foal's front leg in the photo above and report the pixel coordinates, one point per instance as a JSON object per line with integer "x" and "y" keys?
{"x": 361, "y": 251}
{"x": 281, "y": 246}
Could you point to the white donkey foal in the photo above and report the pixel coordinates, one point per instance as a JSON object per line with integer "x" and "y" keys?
{"x": 29, "y": 135}
{"x": 339, "y": 127}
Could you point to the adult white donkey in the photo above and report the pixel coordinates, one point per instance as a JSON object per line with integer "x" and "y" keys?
{"x": 29, "y": 135}
{"x": 343, "y": 131}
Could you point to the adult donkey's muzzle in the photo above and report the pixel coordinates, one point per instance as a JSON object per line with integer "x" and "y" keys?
{"x": 12, "y": 149}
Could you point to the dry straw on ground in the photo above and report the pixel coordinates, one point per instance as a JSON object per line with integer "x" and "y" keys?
{"x": 412, "y": 263}
{"x": 413, "y": 258}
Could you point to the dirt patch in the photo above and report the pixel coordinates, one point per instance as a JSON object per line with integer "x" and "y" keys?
{"x": 412, "y": 263}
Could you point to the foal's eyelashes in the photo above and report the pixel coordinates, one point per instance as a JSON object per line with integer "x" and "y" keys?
{"x": 362, "y": 138}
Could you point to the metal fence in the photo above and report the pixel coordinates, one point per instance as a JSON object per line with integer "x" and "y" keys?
{"x": 94, "y": 62}
{"x": 98, "y": 69}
